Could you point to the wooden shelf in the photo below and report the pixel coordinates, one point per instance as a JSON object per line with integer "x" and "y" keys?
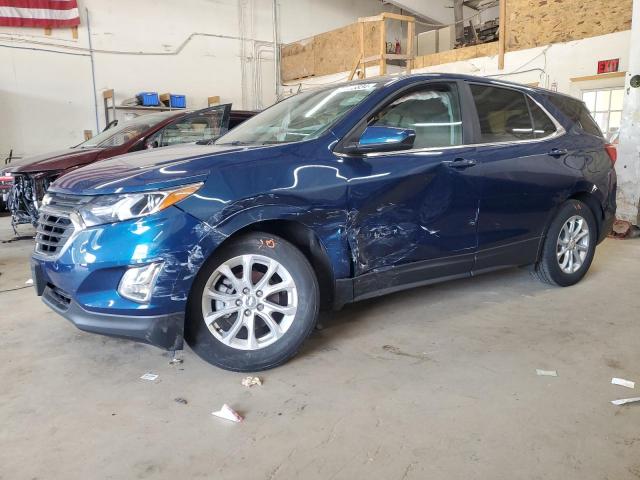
{"x": 141, "y": 107}
{"x": 601, "y": 76}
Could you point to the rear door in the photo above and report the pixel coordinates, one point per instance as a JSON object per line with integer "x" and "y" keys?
{"x": 520, "y": 158}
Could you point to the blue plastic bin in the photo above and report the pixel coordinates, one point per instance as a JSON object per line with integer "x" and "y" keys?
{"x": 178, "y": 101}
{"x": 148, "y": 99}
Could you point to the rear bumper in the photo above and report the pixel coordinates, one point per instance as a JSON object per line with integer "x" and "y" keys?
{"x": 164, "y": 331}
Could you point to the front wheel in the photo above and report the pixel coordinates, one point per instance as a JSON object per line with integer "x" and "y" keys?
{"x": 569, "y": 246}
{"x": 252, "y": 304}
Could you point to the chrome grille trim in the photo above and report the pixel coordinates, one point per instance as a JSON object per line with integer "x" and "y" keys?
{"x": 58, "y": 223}
{"x": 53, "y": 231}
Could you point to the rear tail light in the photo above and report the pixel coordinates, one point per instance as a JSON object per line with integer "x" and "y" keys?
{"x": 612, "y": 151}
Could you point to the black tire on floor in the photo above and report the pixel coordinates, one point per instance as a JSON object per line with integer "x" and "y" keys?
{"x": 212, "y": 350}
{"x": 548, "y": 269}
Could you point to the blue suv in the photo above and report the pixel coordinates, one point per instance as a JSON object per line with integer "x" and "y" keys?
{"x": 328, "y": 197}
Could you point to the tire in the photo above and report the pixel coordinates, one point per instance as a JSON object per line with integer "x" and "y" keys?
{"x": 222, "y": 343}
{"x": 567, "y": 269}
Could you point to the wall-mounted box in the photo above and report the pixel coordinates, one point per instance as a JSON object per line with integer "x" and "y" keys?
{"x": 446, "y": 38}
{"x": 427, "y": 42}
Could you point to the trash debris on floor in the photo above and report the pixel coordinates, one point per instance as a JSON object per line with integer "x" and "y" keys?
{"x": 29, "y": 282}
{"x": 176, "y": 361}
{"x": 228, "y": 413}
{"x": 623, "y": 229}
{"x": 149, "y": 376}
{"x": 251, "y": 381}
{"x": 622, "y": 401}
{"x": 623, "y": 383}
{"x": 546, "y": 373}
{"x": 181, "y": 400}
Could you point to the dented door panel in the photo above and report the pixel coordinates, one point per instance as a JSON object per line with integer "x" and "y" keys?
{"x": 410, "y": 207}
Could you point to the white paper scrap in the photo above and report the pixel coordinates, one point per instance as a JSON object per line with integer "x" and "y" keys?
{"x": 228, "y": 413}
{"x": 623, "y": 383}
{"x": 149, "y": 376}
{"x": 546, "y": 373}
{"x": 251, "y": 381}
{"x": 622, "y": 401}
{"x": 29, "y": 282}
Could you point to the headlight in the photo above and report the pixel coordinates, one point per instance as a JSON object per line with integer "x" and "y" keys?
{"x": 117, "y": 208}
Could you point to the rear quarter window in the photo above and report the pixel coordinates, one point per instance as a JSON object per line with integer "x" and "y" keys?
{"x": 577, "y": 112}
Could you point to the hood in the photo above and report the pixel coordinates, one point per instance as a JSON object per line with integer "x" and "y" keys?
{"x": 54, "y": 161}
{"x": 144, "y": 171}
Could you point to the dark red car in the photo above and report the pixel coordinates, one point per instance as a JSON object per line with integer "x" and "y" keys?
{"x": 32, "y": 176}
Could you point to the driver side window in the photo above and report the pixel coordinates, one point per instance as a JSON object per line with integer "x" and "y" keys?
{"x": 433, "y": 112}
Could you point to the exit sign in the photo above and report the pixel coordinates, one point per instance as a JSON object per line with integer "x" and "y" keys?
{"x": 608, "y": 66}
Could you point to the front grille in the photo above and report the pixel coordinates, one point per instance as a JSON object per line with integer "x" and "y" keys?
{"x": 57, "y": 297}
{"x": 55, "y": 227}
{"x": 52, "y": 233}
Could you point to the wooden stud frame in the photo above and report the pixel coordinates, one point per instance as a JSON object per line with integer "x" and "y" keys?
{"x": 382, "y": 57}
{"x": 502, "y": 33}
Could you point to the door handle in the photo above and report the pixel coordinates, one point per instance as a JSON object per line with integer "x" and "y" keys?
{"x": 558, "y": 152}
{"x": 459, "y": 163}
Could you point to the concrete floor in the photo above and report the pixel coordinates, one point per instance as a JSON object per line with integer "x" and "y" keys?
{"x": 437, "y": 382}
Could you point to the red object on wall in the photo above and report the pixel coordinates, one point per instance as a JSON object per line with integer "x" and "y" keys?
{"x": 608, "y": 66}
{"x": 39, "y": 13}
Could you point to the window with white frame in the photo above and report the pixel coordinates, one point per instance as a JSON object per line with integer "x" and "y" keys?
{"x": 605, "y": 105}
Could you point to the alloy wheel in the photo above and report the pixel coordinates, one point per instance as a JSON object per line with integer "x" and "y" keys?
{"x": 573, "y": 244}
{"x": 249, "y": 302}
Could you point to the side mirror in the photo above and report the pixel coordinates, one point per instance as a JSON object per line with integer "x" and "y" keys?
{"x": 383, "y": 139}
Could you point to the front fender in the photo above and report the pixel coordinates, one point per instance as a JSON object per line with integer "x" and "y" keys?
{"x": 328, "y": 224}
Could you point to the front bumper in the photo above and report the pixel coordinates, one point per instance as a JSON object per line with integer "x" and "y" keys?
{"x": 164, "y": 331}
{"x": 82, "y": 283}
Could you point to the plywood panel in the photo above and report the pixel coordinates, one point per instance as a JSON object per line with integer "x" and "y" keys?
{"x": 532, "y": 23}
{"x": 371, "y": 38}
{"x": 329, "y": 52}
{"x": 457, "y": 55}
{"x": 297, "y": 60}
{"x": 336, "y": 50}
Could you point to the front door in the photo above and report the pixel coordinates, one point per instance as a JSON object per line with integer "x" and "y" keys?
{"x": 413, "y": 213}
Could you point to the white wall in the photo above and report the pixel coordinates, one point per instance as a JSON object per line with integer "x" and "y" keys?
{"x": 301, "y": 19}
{"x": 628, "y": 164}
{"x": 46, "y": 98}
{"x": 440, "y": 11}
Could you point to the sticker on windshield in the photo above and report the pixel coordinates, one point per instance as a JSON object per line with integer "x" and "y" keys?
{"x": 356, "y": 87}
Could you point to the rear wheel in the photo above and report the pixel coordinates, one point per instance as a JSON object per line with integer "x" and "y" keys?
{"x": 253, "y": 304}
{"x": 569, "y": 246}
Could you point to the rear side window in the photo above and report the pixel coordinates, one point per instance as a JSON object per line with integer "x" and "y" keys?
{"x": 503, "y": 114}
{"x": 543, "y": 126}
{"x": 577, "y": 112}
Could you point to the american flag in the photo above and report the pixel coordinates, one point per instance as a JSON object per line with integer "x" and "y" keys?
{"x": 39, "y": 13}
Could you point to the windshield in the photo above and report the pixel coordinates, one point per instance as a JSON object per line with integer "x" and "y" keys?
{"x": 301, "y": 117}
{"x": 125, "y": 131}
